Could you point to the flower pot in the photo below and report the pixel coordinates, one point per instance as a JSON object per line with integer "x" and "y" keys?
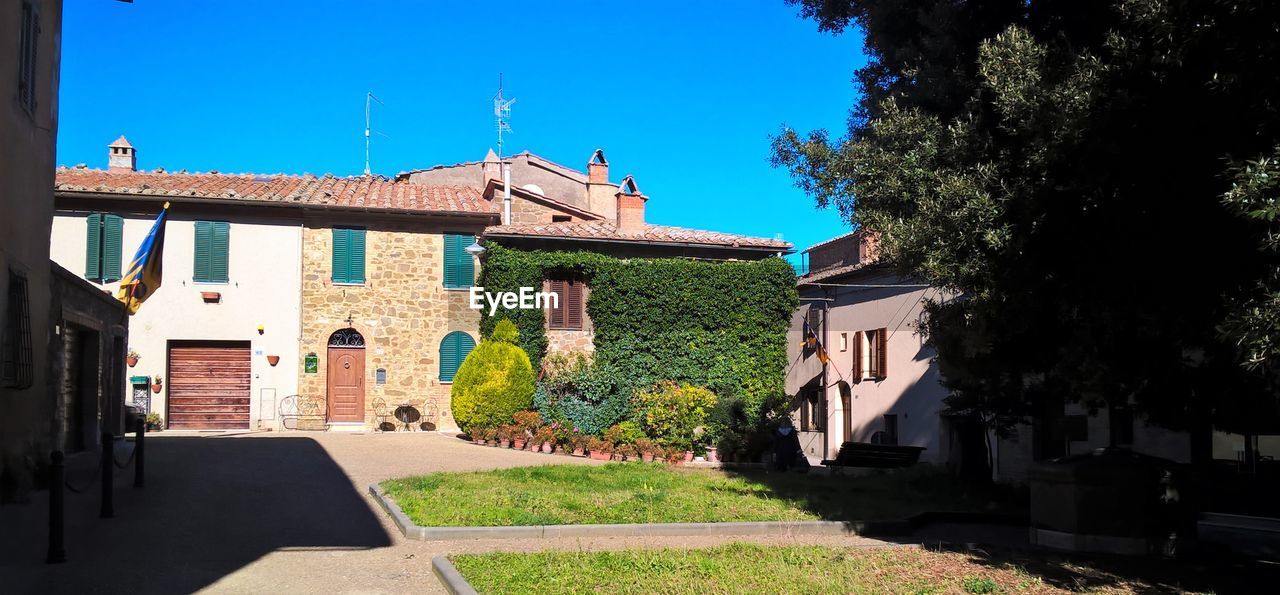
{"x": 646, "y": 457}
{"x": 131, "y": 360}
{"x": 579, "y": 452}
{"x": 547, "y": 447}
{"x": 273, "y": 360}
{"x": 504, "y": 443}
{"x": 712, "y": 455}
{"x": 618, "y": 457}
{"x": 599, "y": 456}
{"x": 518, "y": 444}
{"x": 478, "y": 440}
{"x": 688, "y": 456}
{"x": 155, "y": 388}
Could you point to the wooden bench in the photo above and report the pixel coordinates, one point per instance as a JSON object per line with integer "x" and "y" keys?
{"x": 305, "y": 413}
{"x": 878, "y": 456}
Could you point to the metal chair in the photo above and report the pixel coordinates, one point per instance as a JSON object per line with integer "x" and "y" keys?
{"x": 306, "y": 413}
{"x": 429, "y": 413}
{"x": 381, "y": 411}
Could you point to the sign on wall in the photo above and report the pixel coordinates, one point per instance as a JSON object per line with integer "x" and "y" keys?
{"x": 311, "y": 364}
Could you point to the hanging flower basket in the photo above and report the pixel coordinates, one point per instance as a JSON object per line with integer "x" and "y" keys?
{"x": 131, "y": 359}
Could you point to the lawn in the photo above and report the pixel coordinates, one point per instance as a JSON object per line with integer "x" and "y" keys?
{"x": 651, "y": 493}
{"x": 749, "y": 568}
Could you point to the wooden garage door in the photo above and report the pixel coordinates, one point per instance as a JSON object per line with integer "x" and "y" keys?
{"x": 209, "y": 385}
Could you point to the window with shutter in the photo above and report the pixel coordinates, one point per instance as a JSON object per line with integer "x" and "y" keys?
{"x": 93, "y": 247}
{"x": 882, "y": 353}
{"x": 348, "y": 255}
{"x": 112, "y": 240}
{"x": 859, "y": 369}
{"x": 459, "y": 266}
{"x": 16, "y": 363}
{"x": 568, "y": 312}
{"x": 453, "y": 350}
{"x": 213, "y": 242}
{"x": 27, "y": 58}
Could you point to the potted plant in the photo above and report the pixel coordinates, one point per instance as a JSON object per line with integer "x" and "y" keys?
{"x": 477, "y": 434}
{"x": 518, "y": 440}
{"x": 646, "y": 448}
{"x": 155, "y": 423}
{"x": 156, "y": 384}
{"x": 491, "y": 436}
{"x": 504, "y": 436}
{"x": 625, "y": 452}
{"x": 578, "y": 445}
{"x": 545, "y": 438}
{"x": 132, "y": 358}
{"x": 598, "y": 449}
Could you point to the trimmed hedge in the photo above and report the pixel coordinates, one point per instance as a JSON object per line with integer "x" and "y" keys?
{"x": 494, "y": 382}
{"x": 721, "y": 325}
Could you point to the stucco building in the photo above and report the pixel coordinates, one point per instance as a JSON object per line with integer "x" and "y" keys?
{"x": 61, "y": 340}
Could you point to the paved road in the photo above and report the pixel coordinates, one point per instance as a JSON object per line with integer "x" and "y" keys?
{"x": 280, "y": 513}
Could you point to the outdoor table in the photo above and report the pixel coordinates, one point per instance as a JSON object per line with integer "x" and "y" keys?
{"x": 407, "y": 415}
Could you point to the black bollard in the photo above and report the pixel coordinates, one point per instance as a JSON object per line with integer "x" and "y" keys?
{"x": 108, "y": 460}
{"x": 57, "y": 480}
{"x": 139, "y": 470}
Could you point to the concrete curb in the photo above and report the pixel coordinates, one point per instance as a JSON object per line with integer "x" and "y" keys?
{"x": 449, "y": 576}
{"x": 412, "y": 531}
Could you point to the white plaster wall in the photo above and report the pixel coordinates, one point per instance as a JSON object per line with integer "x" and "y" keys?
{"x": 263, "y": 289}
{"x": 911, "y": 389}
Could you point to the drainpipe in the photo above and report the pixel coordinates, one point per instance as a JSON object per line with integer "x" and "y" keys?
{"x": 506, "y": 193}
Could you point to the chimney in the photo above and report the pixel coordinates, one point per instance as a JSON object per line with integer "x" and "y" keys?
{"x": 630, "y": 205}
{"x": 121, "y": 156}
{"x": 491, "y": 168}
{"x": 600, "y": 193}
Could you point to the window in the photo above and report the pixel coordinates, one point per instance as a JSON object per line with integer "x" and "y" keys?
{"x": 890, "y": 429}
{"x": 15, "y": 345}
{"x": 561, "y": 218}
{"x": 813, "y": 411}
{"x": 103, "y": 238}
{"x": 871, "y": 354}
{"x": 844, "y": 341}
{"x": 453, "y": 349}
{"x": 29, "y": 37}
{"x": 348, "y": 255}
{"x": 459, "y": 266}
{"x": 212, "y": 243}
{"x": 566, "y": 312}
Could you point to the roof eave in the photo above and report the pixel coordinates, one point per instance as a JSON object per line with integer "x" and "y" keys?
{"x": 772, "y": 250}
{"x": 185, "y": 199}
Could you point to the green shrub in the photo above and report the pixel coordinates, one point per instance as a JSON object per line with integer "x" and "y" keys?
{"x": 671, "y": 412}
{"x": 721, "y": 325}
{"x": 979, "y": 585}
{"x": 494, "y": 382}
{"x": 576, "y": 392}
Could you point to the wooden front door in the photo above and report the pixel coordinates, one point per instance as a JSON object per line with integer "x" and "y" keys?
{"x": 346, "y": 384}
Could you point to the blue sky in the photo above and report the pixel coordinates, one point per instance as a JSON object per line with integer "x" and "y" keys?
{"x": 683, "y": 95}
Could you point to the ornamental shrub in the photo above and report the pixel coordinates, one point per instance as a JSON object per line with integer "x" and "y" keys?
{"x": 580, "y": 394}
{"x": 494, "y": 382}
{"x": 671, "y": 412}
{"x": 720, "y": 325}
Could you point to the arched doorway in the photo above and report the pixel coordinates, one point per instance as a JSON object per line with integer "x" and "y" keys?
{"x": 846, "y": 410}
{"x": 345, "y": 376}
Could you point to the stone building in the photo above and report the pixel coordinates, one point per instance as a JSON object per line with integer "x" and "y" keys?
{"x": 274, "y": 281}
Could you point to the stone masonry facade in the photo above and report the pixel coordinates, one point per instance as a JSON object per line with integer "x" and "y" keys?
{"x": 402, "y": 310}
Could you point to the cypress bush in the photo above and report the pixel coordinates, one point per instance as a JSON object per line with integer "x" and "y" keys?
{"x": 494, "y": 382}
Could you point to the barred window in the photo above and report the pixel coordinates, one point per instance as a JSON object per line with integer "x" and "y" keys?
{"x": 28, "y": 41}
{"x": 15, "y": 346}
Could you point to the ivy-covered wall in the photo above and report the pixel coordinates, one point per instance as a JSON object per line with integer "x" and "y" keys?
{"x": 721, "y": 325}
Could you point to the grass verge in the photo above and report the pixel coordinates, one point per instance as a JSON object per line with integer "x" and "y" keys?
{"x": 647, "y": 493}
{"x": 750, "y": 568}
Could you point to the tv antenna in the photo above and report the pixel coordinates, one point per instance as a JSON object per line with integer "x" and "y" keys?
{"x": 368, "y": 105}
{"x": 502, "y": 114}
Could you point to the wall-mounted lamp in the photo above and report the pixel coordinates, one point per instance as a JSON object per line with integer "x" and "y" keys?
{"x": 261, "y": 329}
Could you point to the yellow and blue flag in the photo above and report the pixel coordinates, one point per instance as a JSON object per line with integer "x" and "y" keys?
{"x": 145, "y": 271}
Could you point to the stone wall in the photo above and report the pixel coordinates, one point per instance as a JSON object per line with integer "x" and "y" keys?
{"x": 402, "y": 310}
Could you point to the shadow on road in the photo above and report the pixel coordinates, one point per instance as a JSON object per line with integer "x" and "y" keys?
{"x": 211, "y": 506}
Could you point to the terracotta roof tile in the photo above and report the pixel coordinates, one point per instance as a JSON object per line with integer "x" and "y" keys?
{"x": 607, "y": 230}
{"x": 360, "y": 191}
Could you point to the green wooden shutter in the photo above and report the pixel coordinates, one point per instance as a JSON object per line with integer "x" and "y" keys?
{"x": 459, "y": 267}
{"x": 112, "y": 239}
{"x": 355, "y": 264}
{"x": 341, "y": 254}
{"x": 93, "y": 248}
{"x": 453, "y": 350}
{"x": 202, "y": 270}
{"x": 219, "y": 251}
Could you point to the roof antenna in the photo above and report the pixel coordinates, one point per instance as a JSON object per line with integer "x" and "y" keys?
{"x": 502, "y": 114}
{"x": 368, "y": 98}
